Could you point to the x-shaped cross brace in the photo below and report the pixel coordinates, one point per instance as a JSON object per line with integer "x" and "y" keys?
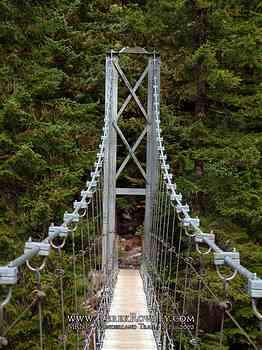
{"x": 124, "y": 105}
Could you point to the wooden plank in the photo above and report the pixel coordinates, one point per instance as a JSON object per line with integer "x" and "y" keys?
{"x": 129, "y": 299}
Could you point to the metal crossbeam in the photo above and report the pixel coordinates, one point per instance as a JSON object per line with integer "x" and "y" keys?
{"x": 137, "y": 84}
{"x": 131, "y": 191}
{"x": 131, "y": 153}
{"x": 133, "y": 149}
{"x": 125, "y": 80}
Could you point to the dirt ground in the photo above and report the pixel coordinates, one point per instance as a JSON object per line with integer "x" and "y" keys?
{"x": 130, "y": 250}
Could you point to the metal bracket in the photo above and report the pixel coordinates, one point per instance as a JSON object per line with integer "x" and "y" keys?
{"x": 80, "y": 204}
{"x": 170, "y": 186}
{"x": 44, "y": 247}
{"x": 58, "y": 231}
{"x": 165, "y": 166}
{"x": 87, "y": 194}
{"x": 98, "y": 164}
{"x": 100, "y": 154}
{"x": 255, "y": 291}
{"x": 219, "y": 258}
{"x": 92, "y": 183}
{"x": 162, "y": 157}
{"x": 190, "y": 222}
{"x": 182, "y": 208}
{"x": 255, "y": 288}
{"x": 8, "y": 275}
{"x": 168, "y": 176}
{"x": 70, "y": 217}
{"x": 199, "y": 238}
{"x": 176, "y": 197}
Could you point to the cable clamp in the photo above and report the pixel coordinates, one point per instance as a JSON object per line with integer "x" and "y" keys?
{"x": 219, "y": 258}
{"x": 174, "y": 187}
{"x": 168, "y": 176}
{"x": 182, "y": 208}
{"x": 176, "y": 197}
{"x": 190, "y": 222}
{"x": 8, "y": 275}
{"x": 255, "y": 291}
{"x": 255, "y": 288}
{"x": 165, "y": 166}
{"x": 98, "y": 164}
{"x": 100, "y": 154}
{"x": 162, "y": 157}
{"x": 170, "y": 186}
{"x": 70, "y": 217}
{"x": 91, "y": 184}
{"x": 44, "y": 247}
{"x": 57, "y": 231}
{"x": 87, "y": 194}
{"x": 199, "y": 238}
{"x": 80, "y": 204}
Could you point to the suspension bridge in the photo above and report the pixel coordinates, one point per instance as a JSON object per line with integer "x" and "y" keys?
{"x": 164, "y": 305}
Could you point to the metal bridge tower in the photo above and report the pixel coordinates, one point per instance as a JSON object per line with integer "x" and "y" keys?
{"x": 111, "y": 173}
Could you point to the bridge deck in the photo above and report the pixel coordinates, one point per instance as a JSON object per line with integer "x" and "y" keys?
{"x": 129, "y": 300}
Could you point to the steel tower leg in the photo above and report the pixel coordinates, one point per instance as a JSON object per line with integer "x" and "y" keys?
{"x": 151, "y": 153}
{"x": 109, "y": 191}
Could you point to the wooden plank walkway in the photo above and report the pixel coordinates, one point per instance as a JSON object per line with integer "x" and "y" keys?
{"x": 129, "y": 300}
